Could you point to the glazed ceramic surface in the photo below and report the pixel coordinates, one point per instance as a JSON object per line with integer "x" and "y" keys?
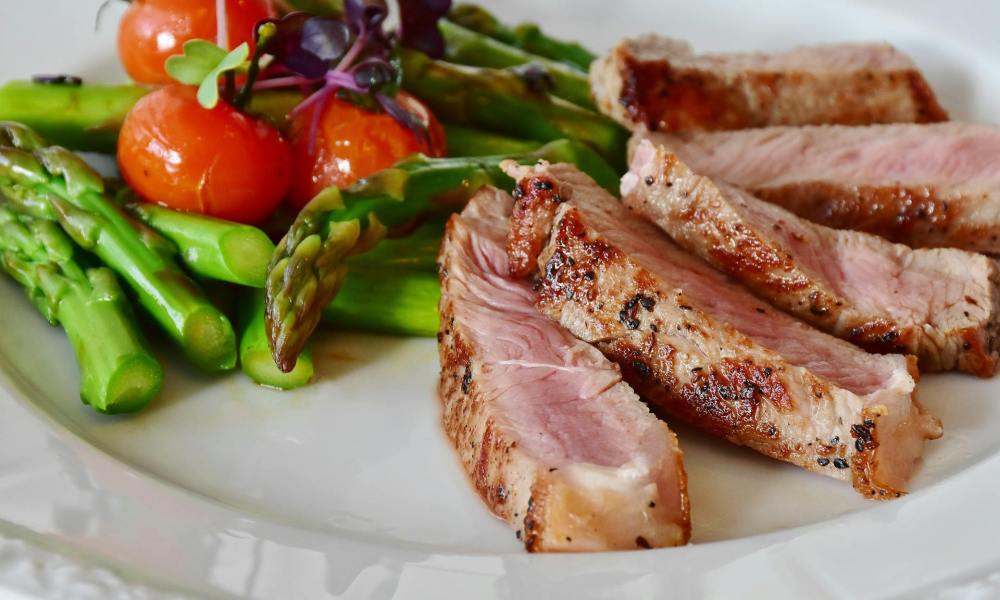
{"x": 348, "y": 487}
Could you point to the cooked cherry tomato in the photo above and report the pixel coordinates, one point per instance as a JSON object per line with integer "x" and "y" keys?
{"x": 152, "y": 30}
{"x": 218, "y": 162}
{"x": 351, "y": 143}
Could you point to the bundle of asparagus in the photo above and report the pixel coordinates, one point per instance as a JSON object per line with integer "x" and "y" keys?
{"x": 51, "y": 183}
{"x": 117, "y": 371}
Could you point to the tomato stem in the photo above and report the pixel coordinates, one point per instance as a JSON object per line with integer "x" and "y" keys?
{"x": 265, "y": 34}
{"x": 229, "y": 91}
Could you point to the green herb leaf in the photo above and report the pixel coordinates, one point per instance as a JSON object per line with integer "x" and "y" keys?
{"x": 202, "y": 63}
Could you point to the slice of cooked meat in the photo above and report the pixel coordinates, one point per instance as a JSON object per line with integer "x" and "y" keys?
{"x": 659, "y": 83}
{"x": 707, "y": 351}
{"x": 554, "y": 441}
{"x": 920, "y": 185}
{"x": 939, "y": 304}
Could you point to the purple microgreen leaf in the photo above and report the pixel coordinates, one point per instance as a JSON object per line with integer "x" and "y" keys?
{"x": 309, "y": 45}
{"x": 365, "y": 15}
{"x": 373, "y": 74}
{"x": 327, "y": 39}
{"x": 353, "y": 58}
{"x": 418, "y": 25}
{"x": 288, "y": 34}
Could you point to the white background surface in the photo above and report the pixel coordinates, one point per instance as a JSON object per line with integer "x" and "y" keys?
{"x": 348, "y": 487}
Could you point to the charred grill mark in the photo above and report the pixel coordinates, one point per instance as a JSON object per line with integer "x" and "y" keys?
{"x": 536, "y": 200}
{"x": 863, "y": 462}
{"x": 900, "y": 213}
{"x": 737, "y": 249}
{"x": 667, "y": 98}
{"x": 723, "y": 398}
{"x": 629, "y": 312}
{"x": 729, "y": 394}
{"x": 640, "y": 368}
{"x": 568, "y": 278}
{"x": 467, "y": 378}
{"x": 533, "y": 525}
{"x": 655, "y": 94}
{"x": 818, "y": 304}
{"x": 881, "y": 336}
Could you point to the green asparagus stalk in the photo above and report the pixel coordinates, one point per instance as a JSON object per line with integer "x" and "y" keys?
{"x": 393, "y": 288}
{"x": 255, "y": 354}
{"x": 466, "y": 141}
{"x": 466, "y": 47}
{"x": 309, "y": 263}
{"x": 395, "y": 302}
{"x": 79, "y": 117}
{"x": 52, "y": 183}
{"x": 500, "y": 101}
{"x": 212, "y": 248}
{"x": 527, "y": 36}
{"x": 117, "y": 371}
{"x": 88, "y": 117}
{"x": 416, "y": 251}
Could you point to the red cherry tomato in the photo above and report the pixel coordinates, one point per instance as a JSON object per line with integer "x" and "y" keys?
{"x": 218, "y": 162}
{"x": 351, "y": 143}
{"x": 152, "y": 30}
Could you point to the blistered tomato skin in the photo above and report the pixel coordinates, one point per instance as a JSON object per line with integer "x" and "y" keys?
{"x": 351, "y": 143}
{"x": 152, "y": 30}
{"x": 217, "y": 162}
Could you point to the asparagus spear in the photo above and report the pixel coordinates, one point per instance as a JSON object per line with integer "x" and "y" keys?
{"x": 527, "y": 36}
{"x": 52, "y": 183}
{"x": 308, "y": 265}
{"x": 80, "y": 117}
{"x": 403, "y": 302}
{"x": 211, "y": 248}
{"x": 393, "y": 288}
{"x": 255, "y": 354}
{"x": 416, "y": 251}
{"x": 466, "y": 47}
{"x": 466, "y": 141}
{"x": 500, "y": 101}
{"x": 117, "y": 371}
{"x": 88, "y": 117}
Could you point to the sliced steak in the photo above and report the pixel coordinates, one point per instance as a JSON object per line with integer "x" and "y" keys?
{"x": 704, "y": 349}
{"x": 939, "y": 304}
{"x": 657, "y": 83}
{"x": 554, "y": 441}
{"x": 920, "y": 185}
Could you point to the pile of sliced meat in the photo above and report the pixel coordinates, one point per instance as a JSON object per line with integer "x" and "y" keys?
{"x": 555, "y": 442}
{"x": 796, "y": 240}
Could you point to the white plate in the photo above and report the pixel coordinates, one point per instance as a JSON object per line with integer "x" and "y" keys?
{"x": 348, "y": 488}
